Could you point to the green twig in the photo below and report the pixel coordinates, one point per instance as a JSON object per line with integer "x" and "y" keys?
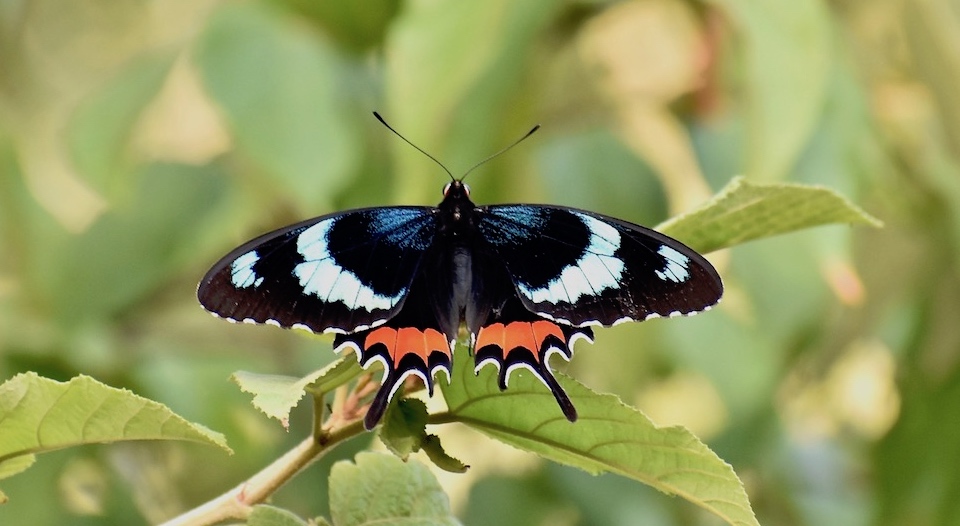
{"x": 239, "y": 501}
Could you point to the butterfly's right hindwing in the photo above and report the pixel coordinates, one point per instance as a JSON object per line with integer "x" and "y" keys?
{"x": 338, "y": 273}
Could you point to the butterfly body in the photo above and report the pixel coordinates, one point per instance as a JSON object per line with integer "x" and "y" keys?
{"x": 396, "y": 283}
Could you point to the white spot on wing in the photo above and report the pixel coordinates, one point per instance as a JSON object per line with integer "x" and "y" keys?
{"x": 241, "y": 271}
{"x": 577, "y": 337}
{"x": 301, "y": 326}
{"x": 675, "y": 265}
{"x": 321, "y": 276}
{"x": 477, "y": 368}
{"x": 440, "y": 369}
{"x": 349, "y": 345}
{"x": 403, "y": 376}
{"x": 557, "y": 350}
{"x": 521, "y": 365}
{"x": 597, "y": 269}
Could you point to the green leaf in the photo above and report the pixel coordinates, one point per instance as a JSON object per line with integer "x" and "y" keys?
{"x": 744, "y": 211}
{"x": 608, "y": 437}
{"x": 434, "y": 449}
{"x": 382, "y": 489}
{"x": 263, "y": 515}
{"x": 15, "y": 465}
{"x": 787, "y": 58}
{"x": 335, "y": 374}
{"x": 405, "y": 431}
{"x": 276, "y": 83}
{"x": 38, "y": 415}
{"x": 277, "y": 395}
{"x": 405, "y": 427}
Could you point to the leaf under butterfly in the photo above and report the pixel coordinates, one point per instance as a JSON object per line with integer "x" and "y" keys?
{"x": 744, "y": 211}
{"x": 404, "y": 427}
{"x": 277, "y": 395}
{"x": 39, "y": 414}
{"x": 608, "y": 437}
{"x": 404, "y": 431}
{"x": 382, "y": 489}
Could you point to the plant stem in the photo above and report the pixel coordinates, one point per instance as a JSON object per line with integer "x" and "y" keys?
{"x": 443, "y": 417}
{"x": 237, "y": 503}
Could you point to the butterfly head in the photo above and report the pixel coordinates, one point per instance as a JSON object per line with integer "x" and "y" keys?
{"x": 456, "y": 188}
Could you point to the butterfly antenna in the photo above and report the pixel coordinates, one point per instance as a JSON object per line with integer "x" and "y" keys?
{"x": 432, "y": 158}
{"x": 511, "y": 145}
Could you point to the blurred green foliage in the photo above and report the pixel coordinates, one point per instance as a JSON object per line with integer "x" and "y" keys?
{"x": 139, "y": 141}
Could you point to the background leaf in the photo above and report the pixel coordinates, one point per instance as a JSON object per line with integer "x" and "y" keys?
{"x": 39, "y": 415}
{"x": 276, "y": 85}
{"x": 745, "y": 211}
{"x": 76, "y": 274}
{"x": 785, "y": 49}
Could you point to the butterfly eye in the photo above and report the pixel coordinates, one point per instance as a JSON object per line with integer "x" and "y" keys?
{"x": 466, "y": 189}
{"x": 446, "y": 188}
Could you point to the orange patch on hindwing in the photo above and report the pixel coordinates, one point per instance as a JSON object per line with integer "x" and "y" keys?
{"x": 408, "y": 340}
{"x": 523, "y": 334}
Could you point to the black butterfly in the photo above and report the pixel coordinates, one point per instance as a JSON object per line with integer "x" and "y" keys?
{"x": 395, "y": 284}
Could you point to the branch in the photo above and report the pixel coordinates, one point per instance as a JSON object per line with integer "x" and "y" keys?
{"x": 239, "y": 501}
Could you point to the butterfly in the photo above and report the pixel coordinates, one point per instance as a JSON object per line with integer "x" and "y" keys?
{"x": 395, "y": 284}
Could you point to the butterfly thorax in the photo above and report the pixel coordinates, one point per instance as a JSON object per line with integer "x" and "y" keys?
{"x": 458, "y": 245}
{"x": 456, "y": 210}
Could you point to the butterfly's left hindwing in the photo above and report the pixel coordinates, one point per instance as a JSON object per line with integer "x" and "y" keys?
{"x": 338, "y": 273}
{"x": 580, "y": 268}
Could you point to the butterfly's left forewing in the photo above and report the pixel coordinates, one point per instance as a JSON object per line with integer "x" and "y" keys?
{"x": 339, "y": 273}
